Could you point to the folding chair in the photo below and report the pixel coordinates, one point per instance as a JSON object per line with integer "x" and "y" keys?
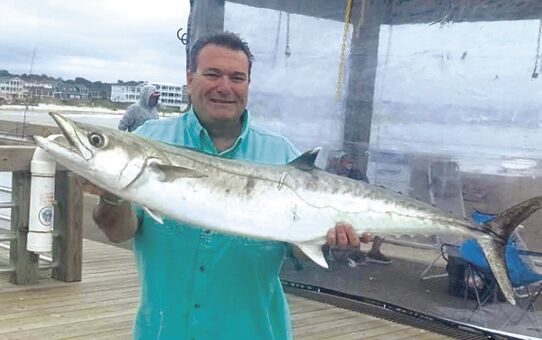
{"x": 445, "y": 192}
{"x": 469, "y": 275}
{"x": 424, "y": 275}
{"x": 522, "y": 274}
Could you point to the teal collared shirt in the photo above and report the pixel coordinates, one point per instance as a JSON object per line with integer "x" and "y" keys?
{"x": 198, "y": 284}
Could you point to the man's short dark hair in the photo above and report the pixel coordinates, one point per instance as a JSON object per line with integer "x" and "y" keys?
{"x": 223, "y": 39}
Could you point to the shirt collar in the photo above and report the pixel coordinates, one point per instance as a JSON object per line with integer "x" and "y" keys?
{"x": 197, "y": 130}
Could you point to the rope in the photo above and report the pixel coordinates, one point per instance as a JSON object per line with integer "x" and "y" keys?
{"x": 361, "y": 18}
{"x": 277, "y": 40}
{"x": 344, "y": 47}
{"x": 535, "y": 70}
{"x": 287, "y": 52}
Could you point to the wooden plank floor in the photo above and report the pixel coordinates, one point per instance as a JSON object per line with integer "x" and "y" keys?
{"x": 102, "y": 306}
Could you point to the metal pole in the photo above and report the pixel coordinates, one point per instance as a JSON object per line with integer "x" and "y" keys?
{"x": 46, "y": 258}
{"x": 48, "y": 266}
{"x": 4, "y": 188}
{"x": 6, "y": 205}
{"x": 7, "y": 270}
{"x": 7, "y": 237}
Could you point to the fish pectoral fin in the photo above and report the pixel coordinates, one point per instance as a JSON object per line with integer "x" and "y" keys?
{"x": 314, "y": 252}
{"x": 169, "y": 172}
{"x": 494, "y": 253}
{"x": 155, "y": 216}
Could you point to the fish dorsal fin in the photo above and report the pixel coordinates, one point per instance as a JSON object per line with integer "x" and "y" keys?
{"x": 306, "y": 161}
{"x": 314, "y": 252}
{"x": 170, "y": 172}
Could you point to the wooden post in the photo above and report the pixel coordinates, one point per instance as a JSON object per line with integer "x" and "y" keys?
{"x": 25, "y": 263}
{"x": 206, "y": 16}
{"x": 361, "y": 80}
{"x": 68, "y": 245}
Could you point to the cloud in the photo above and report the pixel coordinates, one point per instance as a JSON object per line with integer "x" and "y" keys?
{"x": 98, "y": 40}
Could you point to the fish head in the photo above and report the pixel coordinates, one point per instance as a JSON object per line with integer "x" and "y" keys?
{"x": 109, "y": 158}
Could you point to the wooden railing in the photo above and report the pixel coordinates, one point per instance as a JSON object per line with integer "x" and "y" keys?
{"x": 67, "y": 226}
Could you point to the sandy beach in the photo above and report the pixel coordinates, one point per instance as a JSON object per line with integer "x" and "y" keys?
{"x": 61, "y": 108}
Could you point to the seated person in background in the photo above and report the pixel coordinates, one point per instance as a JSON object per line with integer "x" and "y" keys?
{"x": 343, "y": 165}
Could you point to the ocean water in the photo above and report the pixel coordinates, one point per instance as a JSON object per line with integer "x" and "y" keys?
{"x": 478, "y": 148}
{"x": 481, "y": 148}
{"x": 43, "y": 118}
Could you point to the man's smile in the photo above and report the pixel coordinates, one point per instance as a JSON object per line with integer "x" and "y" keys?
{"x": 222, "y": 101}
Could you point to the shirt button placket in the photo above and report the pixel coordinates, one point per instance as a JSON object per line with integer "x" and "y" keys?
{"x": 200, "y": 278}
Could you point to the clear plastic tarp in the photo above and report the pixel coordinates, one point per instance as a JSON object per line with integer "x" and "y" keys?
{"x": 439, "y": 100}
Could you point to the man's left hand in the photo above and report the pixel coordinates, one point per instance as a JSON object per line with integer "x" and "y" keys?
{"x": 343, "y": 235}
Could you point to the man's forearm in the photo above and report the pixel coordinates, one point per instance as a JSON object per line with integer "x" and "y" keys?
{"x": 116, "y": 219}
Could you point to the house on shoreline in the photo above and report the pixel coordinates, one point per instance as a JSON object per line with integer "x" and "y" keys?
{"x": 14, "y": 88}
{"x": 170, "y": 94}
{"x": 18, "y": 89}
{"x": 11, "y": 88}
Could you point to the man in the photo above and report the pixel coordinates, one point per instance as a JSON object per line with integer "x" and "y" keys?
{"x": 197, "y": 283}
{"x": 140, "y": 112}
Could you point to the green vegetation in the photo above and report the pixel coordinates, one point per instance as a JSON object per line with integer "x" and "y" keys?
{"x": 100, "y": 92}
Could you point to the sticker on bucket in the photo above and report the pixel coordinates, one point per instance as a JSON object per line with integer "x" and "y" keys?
{"x": 46, "y": 215}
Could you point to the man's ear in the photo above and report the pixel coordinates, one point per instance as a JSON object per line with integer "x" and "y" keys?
{"x": 189, "y": 77}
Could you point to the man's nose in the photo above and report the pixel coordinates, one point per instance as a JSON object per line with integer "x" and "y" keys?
{"x": 224, "y": 84}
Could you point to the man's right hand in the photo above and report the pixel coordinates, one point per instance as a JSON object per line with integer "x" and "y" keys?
{"x": 113, "y": 216}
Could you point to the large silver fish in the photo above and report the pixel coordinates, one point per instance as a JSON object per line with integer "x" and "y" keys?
{"x": 295, "y": 203}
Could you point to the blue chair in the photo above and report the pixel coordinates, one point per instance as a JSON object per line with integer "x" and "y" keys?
{"x": 521, "y": 274}
{"x": 480, "y": 217}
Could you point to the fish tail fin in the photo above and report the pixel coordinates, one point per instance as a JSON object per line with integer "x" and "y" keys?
{"x": 494, "y": 248}
{"x": 494, "y": 253}
{"x": 507, "y": 221}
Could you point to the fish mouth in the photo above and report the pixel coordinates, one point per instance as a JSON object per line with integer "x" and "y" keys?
{"x": 72, "y": 135}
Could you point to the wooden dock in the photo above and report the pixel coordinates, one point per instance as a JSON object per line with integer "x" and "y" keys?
{"x": 103, "y": 304}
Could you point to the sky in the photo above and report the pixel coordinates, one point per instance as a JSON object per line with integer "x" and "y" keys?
{"x": 473, "y": 64}
{"x": 100, "y": 40}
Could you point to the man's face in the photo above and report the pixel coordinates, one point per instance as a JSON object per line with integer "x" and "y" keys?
{"x": 347, "y": 163}
{"x": 219, "y": 87}
{"x": 153, "y": 99}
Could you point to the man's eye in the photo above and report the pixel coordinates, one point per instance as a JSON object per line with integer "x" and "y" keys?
{"x": 238, "y": 79}
{"x": 211, "y": 75}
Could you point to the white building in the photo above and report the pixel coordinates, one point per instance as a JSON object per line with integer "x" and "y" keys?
{"x": 11, "y": 88}
{"x": 170, "y": 94}
{"x": 39, "y": 90}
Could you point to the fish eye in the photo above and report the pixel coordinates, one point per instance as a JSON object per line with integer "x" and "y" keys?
{"x": 96, "y": 139}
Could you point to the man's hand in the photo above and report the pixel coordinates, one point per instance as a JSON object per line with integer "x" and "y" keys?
{"x": 113, "y": 216}
{"x": 343, "y": 234}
